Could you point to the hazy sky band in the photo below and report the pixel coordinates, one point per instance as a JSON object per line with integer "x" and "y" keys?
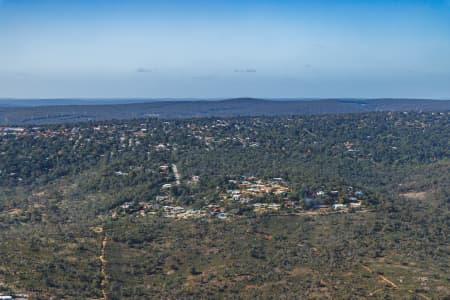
{"x": 135, "y": 48}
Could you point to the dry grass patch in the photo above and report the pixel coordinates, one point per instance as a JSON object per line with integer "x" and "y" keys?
{"x": 415, "y": 195}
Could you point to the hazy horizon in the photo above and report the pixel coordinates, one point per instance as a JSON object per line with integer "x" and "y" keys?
{"x": 138, "y": 49}
{"x": 37, "y": 102}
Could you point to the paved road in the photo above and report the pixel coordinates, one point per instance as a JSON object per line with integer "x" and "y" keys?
{"x": 177, "y": 174}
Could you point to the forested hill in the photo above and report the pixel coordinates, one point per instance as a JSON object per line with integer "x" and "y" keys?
{"x": 87, "y": 110}
{"x": 337, "y": 206}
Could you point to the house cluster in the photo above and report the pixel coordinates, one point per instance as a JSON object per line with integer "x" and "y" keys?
{"x": 182, "y": 213}
{"x": 336, "y": 200}
{"x": 129, "y": 208}
{"x": 167, "y": 171}
{"x": 38, "y": 132}
{"x": 168, "y": 211}
{"x": 250, "y": 193}
{"x": 14, "y": 297}
{"x": 266, "y": 207}
{"x": 16, "y": 131}
{"x": 127, "y": 135}
{"x": 350, "y": 147}
{"x": 250, "y": 187}
{"x": 178, "y": 212}
{"x": 216, "y": 133}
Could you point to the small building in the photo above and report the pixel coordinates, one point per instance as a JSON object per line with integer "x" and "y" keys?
{"x": 359, "y": 194}
{"x": 126, "y": 205}
{"x": 338, "y": 206}
{"x": 351, "y": 200}
{"x": 222, "y": 215}
{"x": 266, "y": 189}
{"x": 237, "y": 197}
{"x": 274, "y": 206}
{"x": 120, "y": 173}
{"x": 161, "y": 198}
{"x": 334, "y": 193}
{"x": 245, "y": 200}
{"x": 179, "y": 210}
{"x": 322, "y": 207}
{"x": 160, "y": 147}
{"x": 259, "y": 205}
{"x": 356, "y": 205}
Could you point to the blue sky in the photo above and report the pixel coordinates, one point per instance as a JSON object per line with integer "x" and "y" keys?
{"x": 214, "y": 49}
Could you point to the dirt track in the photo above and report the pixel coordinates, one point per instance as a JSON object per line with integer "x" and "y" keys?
{"x": 103, "y": 268}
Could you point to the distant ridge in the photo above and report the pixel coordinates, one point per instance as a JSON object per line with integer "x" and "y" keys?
{"x": 10, "y": 102}
{"x": 19, "y": 102}
{"x": 75, "y": 111}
